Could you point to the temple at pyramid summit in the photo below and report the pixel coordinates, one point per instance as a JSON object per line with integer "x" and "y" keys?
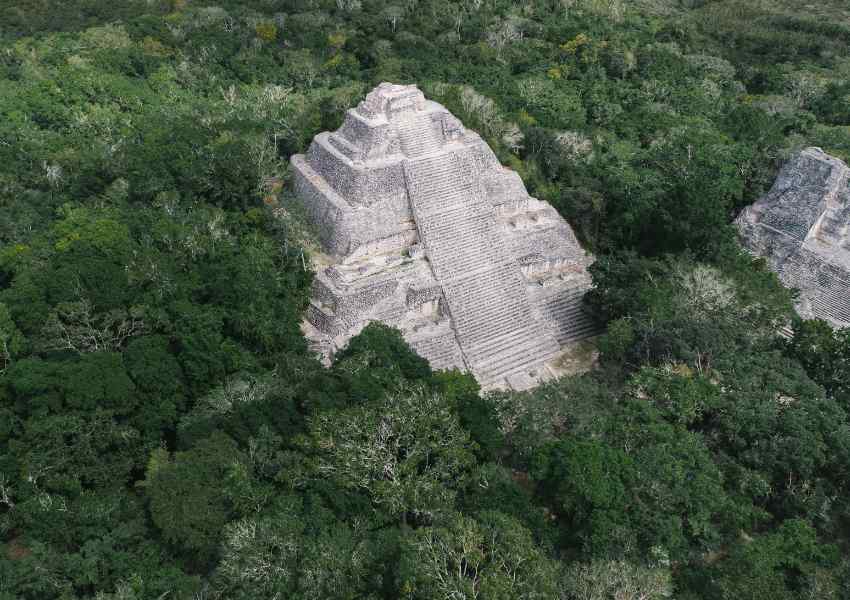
{"x": 425, "y": 230}
{"x": 802, "y": 228}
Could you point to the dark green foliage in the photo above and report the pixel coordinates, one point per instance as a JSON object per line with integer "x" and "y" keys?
{"x": 587, "y": 483}
{"x": 496, "y": 488}
{"x": 825, "y": 354}
{"x": 379, "y": 347}
{"x": 833, "y": 107}
{"x": 676, "y": 309}
{"x": 376, "y": 360}
{"x": 782, "y": 564}
{"x": 476, "y": 417}
{"x": 118, "y": 547}
{"x": 187, "y": 501}
{"x": 164, "y": 429}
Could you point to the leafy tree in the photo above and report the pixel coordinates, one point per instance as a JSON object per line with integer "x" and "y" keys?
{"x": 492, "y": 487}
{"x": 187, "y": 503}
{"x": 382, "y": 347}
{"x": 774, "y": 565}
{"x": 287, "y": 553}
{"x": 151, "y": 295}
{"x": 587, "y": 483}
{"x": 11, "y": 339}
{"x": 670, "y": 211}
{"x": 408, "y": 452}
{"x": 69, "y": 453}
{"x": 492, "y": 556}
{"x": 617, "y": 579}
{"x": 825, "y": 354}
{"x": 375, "y": 361}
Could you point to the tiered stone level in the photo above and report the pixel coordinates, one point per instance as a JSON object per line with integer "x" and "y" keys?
{"x": 801, "y": 228}
{"x": 426, "y": 231}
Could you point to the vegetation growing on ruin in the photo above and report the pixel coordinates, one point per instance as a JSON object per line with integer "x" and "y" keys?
{"x": 164, "y": 431}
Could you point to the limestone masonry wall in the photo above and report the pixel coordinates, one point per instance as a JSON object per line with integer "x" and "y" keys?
{"x": 431, "y": 234}
{"x": 801, "y": 228}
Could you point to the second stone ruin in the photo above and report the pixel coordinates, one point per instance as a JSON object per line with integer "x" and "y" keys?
{"x": 425, "y": 230}
{"x": 802, "y": 228}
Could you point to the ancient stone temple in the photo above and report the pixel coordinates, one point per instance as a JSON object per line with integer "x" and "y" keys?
{"x": 426, "y": 231}
{"x": 802, "y": 228}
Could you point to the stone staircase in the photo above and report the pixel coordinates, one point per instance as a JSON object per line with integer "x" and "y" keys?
{"x": 441, "y": 351}
{"x": 827, "y": 297}
{"x": 462, "y": 241}
{"x": 494, "y": 323}
{"x": 418, "y": 134}
{"x": 831, "y": 305}
{"x": 439, "y": 183}
{"x": 564, "y": 313}
{"x": 483, "y": 287}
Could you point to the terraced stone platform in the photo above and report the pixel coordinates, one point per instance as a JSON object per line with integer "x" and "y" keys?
{"x": 425, "y": 230}
{"x": 802, "y": 228}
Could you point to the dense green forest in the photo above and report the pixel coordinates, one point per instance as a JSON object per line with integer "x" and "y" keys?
{"x": 164, "y": 431}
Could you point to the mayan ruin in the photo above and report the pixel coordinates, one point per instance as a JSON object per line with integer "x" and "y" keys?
{"x": 425, "y": 230}
{"x": 802, "y": 228}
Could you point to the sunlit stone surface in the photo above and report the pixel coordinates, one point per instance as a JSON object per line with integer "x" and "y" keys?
{"x": 802, "y": 228}
{"x": 426, "y": 231}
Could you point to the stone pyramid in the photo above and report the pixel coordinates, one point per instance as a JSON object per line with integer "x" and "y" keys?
{"x": 426, "y": 231}
{"x": 802, "y": 228}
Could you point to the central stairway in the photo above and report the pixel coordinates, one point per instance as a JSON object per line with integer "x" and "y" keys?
{"x": 483, "y": 287}
{"x": 418, "y": 135}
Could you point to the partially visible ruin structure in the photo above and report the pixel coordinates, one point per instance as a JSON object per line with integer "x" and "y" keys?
{"x": 426, "y": 231}
{"x": 802, "y": 228}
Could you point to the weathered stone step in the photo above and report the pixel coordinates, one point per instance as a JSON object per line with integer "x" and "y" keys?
{"x": 472, "y": 295}
{"x": 449, "y": 267}
{"x": 834, "y": 225}
{"x": 477, "y": 323}
{"x": 441, "y": 203}
{"x": 580, "y": 330}
{"x": 832, "y": 306}
{"x": 565, "y": 314}
{"x": 478, "y": 333}
{"x": 496, "y": 282}
{"x": 492, "y": 306}
{"x": 440, "y": 352}
{"x": 484, "y": 302}
{"x": 466, "y": 223}
{"x": 565, "y": 309}
{"x": 530, "y": 355}
{"x": 485, "y": 354}
{"x": 462, "y": 245}
{"x": 419, "y": 135}
{"x": 485, "y": 292}
{"x": 524, "y": 353}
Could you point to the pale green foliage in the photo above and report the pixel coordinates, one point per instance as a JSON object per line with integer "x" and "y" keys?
{"x": 183, "y": 501}
{"x": 616, "y": 580}
{"x": 504, "y": 33}
{"x": 106, "y": 37}
{"x": 705, "y": 289}
{"x": 574, "y": 145}
{"x": 408, "y": 452}
{"x": 75, "y": 326}
{"x": 493, "y": 558}
{"x": 530, "y": 420}
{"x": 482, "y": 113}
{"x": 713, "y": 66}
{"x": 158, "y": 458}
{"x": 276, "y": 557}
{"x": 234, "y": 392}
